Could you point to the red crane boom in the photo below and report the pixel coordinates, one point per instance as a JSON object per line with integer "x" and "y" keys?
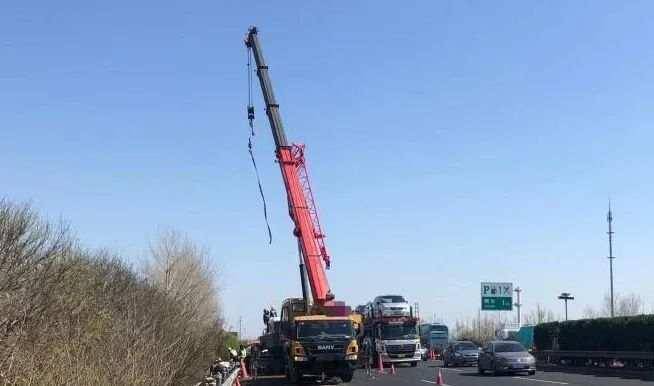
{"x": 301, "y": 204}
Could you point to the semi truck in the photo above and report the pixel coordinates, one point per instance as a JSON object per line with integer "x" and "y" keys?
{"x": 315, "y": 334}
{"x": 389, "y": 339}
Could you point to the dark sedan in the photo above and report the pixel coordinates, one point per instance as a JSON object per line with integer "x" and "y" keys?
{"x": 461, "y": 353}
{"x": 506, "y": 357}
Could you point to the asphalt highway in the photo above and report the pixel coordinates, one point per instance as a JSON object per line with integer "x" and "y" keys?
{"x": 425, "y": 375}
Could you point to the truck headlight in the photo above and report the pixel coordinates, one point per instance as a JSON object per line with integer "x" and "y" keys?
{"x": 352, "y": 348}
{"x": 298, "y": 350}
{"x": 299, "y": 355}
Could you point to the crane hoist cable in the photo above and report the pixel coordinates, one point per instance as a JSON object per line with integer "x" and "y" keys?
{"x": 250, "y": 109}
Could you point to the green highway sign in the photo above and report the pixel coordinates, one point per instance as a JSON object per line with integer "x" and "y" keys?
{"x": 496, "y": 296}
{"x": 496, "y": 304}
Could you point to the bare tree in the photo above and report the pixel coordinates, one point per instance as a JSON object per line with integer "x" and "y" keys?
{"x": 630, "y": 304}
{"x": 539, "y": 315}
{"x": 76, "y": 317}
{"x": 33, "y": 257}
{"x": 183, "y": 270}
{"x": 590, "y": 313}
{"x": 624, "y": 305}
{"x": 478, "y": 330}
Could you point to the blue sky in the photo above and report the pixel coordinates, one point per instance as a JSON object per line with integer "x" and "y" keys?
{"x": 449, "y": 142}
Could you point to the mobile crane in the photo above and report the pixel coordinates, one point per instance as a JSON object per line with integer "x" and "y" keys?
{"x": 316, "y": 334}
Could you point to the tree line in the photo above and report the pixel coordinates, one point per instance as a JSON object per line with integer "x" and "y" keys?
{"x": 74, "y": 316}
{"x": 484, "y": 328}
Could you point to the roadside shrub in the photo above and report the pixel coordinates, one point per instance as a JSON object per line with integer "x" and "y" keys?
{"x": 76, "y": 317}
{"x": 626, "y": 333}
{"x": 544, "y": 334}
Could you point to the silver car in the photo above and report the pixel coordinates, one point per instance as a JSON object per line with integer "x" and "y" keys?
{"x": 391, "y": 305}
{"x": 506, "y": 357}
{"x": 461, "y": 353}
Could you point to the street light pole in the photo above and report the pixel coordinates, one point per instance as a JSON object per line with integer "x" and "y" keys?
{"x": 565, "y": 296}
{"x": 479, "y": 325}
{"x": 609, "y": 219}
{"x": 517, "y": 305}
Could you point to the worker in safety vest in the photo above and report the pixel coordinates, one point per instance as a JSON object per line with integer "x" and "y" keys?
{"x": 233, "y": 354}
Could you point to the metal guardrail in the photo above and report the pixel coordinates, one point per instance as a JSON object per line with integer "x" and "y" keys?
{"x": 616, "y": 361}
{"x": 638, "y": 355}
{"x": 231, "y": 378}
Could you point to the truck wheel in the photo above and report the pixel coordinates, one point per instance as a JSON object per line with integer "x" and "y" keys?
{"x": 295, "y": 376}
{"x": 292, "y": 375}
{"x": 347, "y": 376}
{"x": 414, "y": 364}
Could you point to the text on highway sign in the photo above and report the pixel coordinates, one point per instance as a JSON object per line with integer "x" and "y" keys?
{"x": 496, "y": 296}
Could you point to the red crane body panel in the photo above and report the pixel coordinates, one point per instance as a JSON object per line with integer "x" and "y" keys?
{"x": 303, "y": 212}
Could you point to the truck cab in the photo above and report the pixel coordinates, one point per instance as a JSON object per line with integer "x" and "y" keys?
{"x": 322, "y": 346}
{"x": 393, "y": 340}
{"x": 318, "y": 345}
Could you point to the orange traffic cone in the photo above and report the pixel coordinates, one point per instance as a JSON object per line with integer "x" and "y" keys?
{"x": 439, "y": 377}
{"x": 381, "y": 365}
{"x": 244, "y": 372}
{"x": 392, "y": 369}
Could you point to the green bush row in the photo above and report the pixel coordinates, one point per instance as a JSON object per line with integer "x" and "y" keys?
{"x": 625, "y": 333}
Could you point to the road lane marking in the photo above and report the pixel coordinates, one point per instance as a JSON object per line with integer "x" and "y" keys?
{"x": 449, "y": 369}
{"x": 541, "y": 380}
{"x": 432, "y": 382}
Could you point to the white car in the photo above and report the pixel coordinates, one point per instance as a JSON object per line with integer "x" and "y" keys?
{"x": 423, "y": 353}
{"x": 391, "y": 305}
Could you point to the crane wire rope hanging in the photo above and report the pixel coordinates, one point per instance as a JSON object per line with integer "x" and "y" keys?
{"x": 250, "y": 109}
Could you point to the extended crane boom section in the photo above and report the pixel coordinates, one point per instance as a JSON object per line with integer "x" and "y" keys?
{"x": 302, "y": 208}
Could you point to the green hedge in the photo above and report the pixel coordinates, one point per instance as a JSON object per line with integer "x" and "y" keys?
{"x": 627, "y": 333}
{"x": 544, "y": 334}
